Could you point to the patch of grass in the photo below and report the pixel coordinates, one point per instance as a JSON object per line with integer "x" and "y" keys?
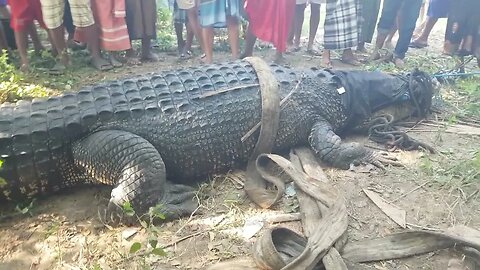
{"x": 452, "y": 173}
{"x": 469, "y": 90}
{"x": 166, "y": 39}
{"x": 14, "y": 86}
{"x": 149, "y": 247}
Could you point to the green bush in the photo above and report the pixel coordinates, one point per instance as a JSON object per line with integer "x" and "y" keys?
{"x": 166, "y": 39}
{"x": 13, "y": 87}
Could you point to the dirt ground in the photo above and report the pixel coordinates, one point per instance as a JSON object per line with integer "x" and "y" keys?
{"x": 64, "y": 231}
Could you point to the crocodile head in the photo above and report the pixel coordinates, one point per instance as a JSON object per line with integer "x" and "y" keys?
{"x": 416, "y": 99}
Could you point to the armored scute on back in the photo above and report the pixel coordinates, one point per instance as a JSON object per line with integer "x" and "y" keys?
{"x": 179, "y": 125}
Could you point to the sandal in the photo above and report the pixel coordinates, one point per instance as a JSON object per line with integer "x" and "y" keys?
{"x": 295, "y": 49}
{"x": 151, "y": 57}
{"x": 327, "y": 65}
{"x": 24, "y": 68}
{"x": 114, "y": 61}
{"x": 133, "y": 61}
{"x": 101, "y": 65}
{"x": 352, "y": 62}
{"x": 57, "y": 69}
{"x": 185, "y": 55}
{"x": 417, "y": 45}
{"x": 313, "y": 52}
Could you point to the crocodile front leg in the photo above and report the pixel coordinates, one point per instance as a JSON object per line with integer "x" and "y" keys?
{"x": 136, "y": 170}
{"x": 329, "y": 148}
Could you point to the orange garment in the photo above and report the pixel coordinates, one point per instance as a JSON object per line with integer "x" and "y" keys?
{"x": 112, "y": 29}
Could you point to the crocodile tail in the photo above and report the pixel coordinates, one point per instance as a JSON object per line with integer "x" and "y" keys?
{"x": 34, "y": 141}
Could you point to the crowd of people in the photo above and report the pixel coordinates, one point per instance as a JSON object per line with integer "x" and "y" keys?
{"x": 111, "y": 26}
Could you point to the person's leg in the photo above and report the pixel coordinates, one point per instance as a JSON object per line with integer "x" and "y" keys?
{"x": 207, "y": 43}
{"x": 349, "y": 58}
{"x": 148, "y": 9}
{"x": 232, "y": 27}
{"x": 408, "y": 19}
{"x": 314, "y": 21}
{"x": 179, "y": 33}
{"x": 279, "y": 59}
{"x": 83, "y": 20}
{"x": 361, "y": 47}
{"x": 189, "y": 40}
{"x": 147, "y": 53}
{"x": 385, "y": 24}
{"x": 37, "y": 44}
{"x": 53, "y": 17}
{"x": 21, "y": 40}
{"x": 3, "y": 40}
{"x": 298, "y": 24}
{"x": 93, "y": 42}
{"x": 326, "y": 62}
{"x": 422, "y": 40}
{"x": 192, "y": 15}
{"x": 250, "y": 40}
{"x": 58, "y": 41}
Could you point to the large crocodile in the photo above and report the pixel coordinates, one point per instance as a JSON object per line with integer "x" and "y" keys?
{"x": 180, "y": 125}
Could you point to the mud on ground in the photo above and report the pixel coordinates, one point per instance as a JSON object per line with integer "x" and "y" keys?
{"x": 437, "y": 191}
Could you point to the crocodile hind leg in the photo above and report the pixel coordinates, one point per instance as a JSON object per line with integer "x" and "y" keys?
{"x": 329, "y": 148}
{"x": 136, "y": 170}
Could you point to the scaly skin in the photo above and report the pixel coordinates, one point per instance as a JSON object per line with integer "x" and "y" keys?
{"x": 180, "y": 125}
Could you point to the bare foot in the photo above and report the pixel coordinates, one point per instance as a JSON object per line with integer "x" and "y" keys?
{"x": 133, "y": 61}
{"x": 361, "y": 50}
{"x": 150, "y": 56}
{"x": 280, "y": 59}
{"x": 114, "y": 61}
{"x": 101, "y": 64}
{"x": 399, "y": 63}
{"x": 351, "y": 61}
{"x": 375, "y": 55}
{"x": 58, "y": 69}
{"x": 24, "y": 68}
{"x": 388, "y": 45}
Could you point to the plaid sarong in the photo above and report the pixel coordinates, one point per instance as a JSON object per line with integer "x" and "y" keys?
{"x": 53, "y": 11}
{"x": 213, "y": 13}
{"x": 342, "y": 25}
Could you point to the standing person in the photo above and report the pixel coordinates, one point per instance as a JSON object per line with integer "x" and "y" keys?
{"x": 23, "y": 14}
{"x": 436, "y": 9}
{"x": 342, "y": 28}
{"x": 269, "y": 20}
{"x": 141, "y": 24}
{"x": 296, "y": 29}
{"x": 409, "y": 10}
{"x": 463, "y": 29}
{"x": 179, "y": 20}
{"x": 370, "y": 9}
{"x": 219, "y": 14}
{"x": 4, "y": 27}
{"x": 191, "y": 9}
{"x": 70, "y": 28}
{"x": 53, "y": 14}
{"x": 113, "y": 33}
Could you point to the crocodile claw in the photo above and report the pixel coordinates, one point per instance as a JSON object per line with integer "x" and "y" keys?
{"x": 381, "y": 159}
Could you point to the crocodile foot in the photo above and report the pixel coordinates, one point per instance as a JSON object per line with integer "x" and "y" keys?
{"x": 380, "y": 159}
{"x": 179, "y": 201}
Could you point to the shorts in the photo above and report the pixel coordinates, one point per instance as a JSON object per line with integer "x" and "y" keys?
{"x": 300, "y": 2}
{"x": 185, "y": 4}
{"x": 23, "y": 13}
{"x": 438, "y": 8}
{"x": 53, "y": 11}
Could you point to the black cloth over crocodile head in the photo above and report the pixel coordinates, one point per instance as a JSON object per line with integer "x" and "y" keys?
{"x": 370, "y": 92}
